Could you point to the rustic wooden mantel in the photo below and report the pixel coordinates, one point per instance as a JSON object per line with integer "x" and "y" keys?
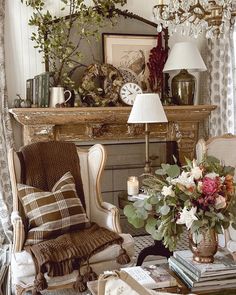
{"x": 110, "y": 123}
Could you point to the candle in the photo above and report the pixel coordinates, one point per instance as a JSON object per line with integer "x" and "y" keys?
{"x": 133, "y": 186}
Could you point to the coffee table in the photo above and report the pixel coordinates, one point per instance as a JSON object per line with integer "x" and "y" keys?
{"x": 180, "y": 289}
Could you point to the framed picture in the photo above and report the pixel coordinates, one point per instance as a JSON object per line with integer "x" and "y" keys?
{"x": 131, "y": 55}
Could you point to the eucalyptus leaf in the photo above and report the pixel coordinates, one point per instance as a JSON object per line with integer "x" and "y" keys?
{"x": 136, "y": 222}
{"x": 150, "y": 228}
{"x": 129, "y": 210}
{"x": 142, "y": 213}
{"x": 165, "y": 167}
{"x": 157, "y": 236}
{"x": 148, "y": 206}
{"x": 139, "y": 204}
{"x": 160, "y": 172}
{"x": 165, "y": 210}
{"x": 173, "y": 171}
{"x": 152, "y": 221}
{"x": 153, "y": 200}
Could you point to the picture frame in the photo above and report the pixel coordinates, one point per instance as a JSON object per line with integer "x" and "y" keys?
{"x": 130, "y": 53}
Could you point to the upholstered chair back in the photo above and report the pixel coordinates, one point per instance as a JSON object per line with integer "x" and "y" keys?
{"x": 221, "y": 147}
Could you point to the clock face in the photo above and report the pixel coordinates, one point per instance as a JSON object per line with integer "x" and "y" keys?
{"x": 129, "y": 91}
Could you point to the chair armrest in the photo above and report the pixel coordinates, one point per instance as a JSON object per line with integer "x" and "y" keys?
{"x": 108, "y": 216}
{"x": 18, "y": 232}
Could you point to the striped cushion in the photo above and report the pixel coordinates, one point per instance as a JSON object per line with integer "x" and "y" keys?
{"x": 51, "y": 214}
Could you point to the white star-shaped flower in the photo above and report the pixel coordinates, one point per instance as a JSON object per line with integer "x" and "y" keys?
{"x": 187, "y": 217}
{"x": 185, "y": 179}
{"x": 196, "y": 172}
{"x": 167, "y": 191}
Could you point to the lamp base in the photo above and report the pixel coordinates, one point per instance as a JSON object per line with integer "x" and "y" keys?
{"x": 183, "y": 88}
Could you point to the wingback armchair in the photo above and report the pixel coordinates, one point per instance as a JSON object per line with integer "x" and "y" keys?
{"x": 222, "y": 147}
{"x": 92, "y": 163}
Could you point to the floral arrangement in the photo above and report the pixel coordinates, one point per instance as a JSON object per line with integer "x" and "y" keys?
{"x": 197, "y": 196}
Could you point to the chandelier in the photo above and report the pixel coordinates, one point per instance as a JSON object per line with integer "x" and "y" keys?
{"x": 194, "y": 17}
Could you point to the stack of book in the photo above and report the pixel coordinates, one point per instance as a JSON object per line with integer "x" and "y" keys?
{"x": 37, "y": 90}
{"x": 220, "y": 274}
{"x": 152, "y": 276}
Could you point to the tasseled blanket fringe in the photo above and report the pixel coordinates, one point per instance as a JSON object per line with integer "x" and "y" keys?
{"x": 41, "y": 253}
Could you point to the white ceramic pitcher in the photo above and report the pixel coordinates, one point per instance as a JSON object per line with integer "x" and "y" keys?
{"x": 57, "y": 96}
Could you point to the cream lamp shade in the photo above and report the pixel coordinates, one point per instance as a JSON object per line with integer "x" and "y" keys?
{"x": 185, "y": 55}
{"x": 147, "y": 108}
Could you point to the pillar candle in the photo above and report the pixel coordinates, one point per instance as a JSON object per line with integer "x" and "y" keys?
{"x": 133, "y": 186}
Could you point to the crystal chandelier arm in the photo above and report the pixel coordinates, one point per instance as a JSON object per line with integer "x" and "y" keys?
{"x": 181, "y": 13}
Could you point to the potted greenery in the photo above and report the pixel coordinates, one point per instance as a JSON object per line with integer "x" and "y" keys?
{"x": 53, "y": 38}
{"x": 199, "y": 196}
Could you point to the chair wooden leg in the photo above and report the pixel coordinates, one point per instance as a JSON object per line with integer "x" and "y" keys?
{"x": 19, "y": 290}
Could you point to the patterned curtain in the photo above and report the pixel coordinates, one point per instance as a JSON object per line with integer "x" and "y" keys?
{"x": 220, "y": 65}
{"x": 6, "y": 141}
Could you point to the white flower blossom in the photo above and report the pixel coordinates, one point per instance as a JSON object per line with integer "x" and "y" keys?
{"x": 185, "y": 179}
{"x": 220, "y": 202}
{"x": 212, "y": 175}
{"x": 196, "y": 172}
{"x": 199, "y": 186}
{"x": 167, "y": 191}
{"x": 187, "y": 217}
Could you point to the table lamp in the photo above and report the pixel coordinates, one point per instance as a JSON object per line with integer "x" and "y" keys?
{"x": 147, "y": 109}
{"x": 184, "y": 56}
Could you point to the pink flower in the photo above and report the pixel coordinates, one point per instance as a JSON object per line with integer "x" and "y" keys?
{"x": 209, "y": 185}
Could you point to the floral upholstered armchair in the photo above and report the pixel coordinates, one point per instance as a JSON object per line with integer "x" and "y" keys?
{"x": 224, "y": 148}
{"x": 91, "y": 162}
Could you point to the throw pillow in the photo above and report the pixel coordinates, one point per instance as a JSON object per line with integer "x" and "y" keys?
{"x": 51, "y": 214}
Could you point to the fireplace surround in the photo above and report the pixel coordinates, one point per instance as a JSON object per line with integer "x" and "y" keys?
{"x": 124, "y": 143}
{"x": 103, "y": 124}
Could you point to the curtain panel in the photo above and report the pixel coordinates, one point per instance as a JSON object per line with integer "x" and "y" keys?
{"x": 221, "y": 88}
{"x": 6, "y": 142}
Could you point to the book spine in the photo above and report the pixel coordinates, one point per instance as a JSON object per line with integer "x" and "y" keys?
{"x": 46, "y": 90}
{"x": 186, "y": 264}
{"x": 40, "y": 102}
{"x": 29, "y": 89}
{"x": 36, "y": 91}
{"x": 184, "y": 268}
{"x": 43, "y": 90}
{"x": 181, "y": 274}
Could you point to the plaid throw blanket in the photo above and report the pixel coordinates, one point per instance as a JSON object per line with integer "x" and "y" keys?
{"x": 60, "y": 256}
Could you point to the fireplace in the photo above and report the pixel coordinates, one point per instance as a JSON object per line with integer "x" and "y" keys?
{"x": 110, "y": 124}
{"x": 124, "y": 143}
